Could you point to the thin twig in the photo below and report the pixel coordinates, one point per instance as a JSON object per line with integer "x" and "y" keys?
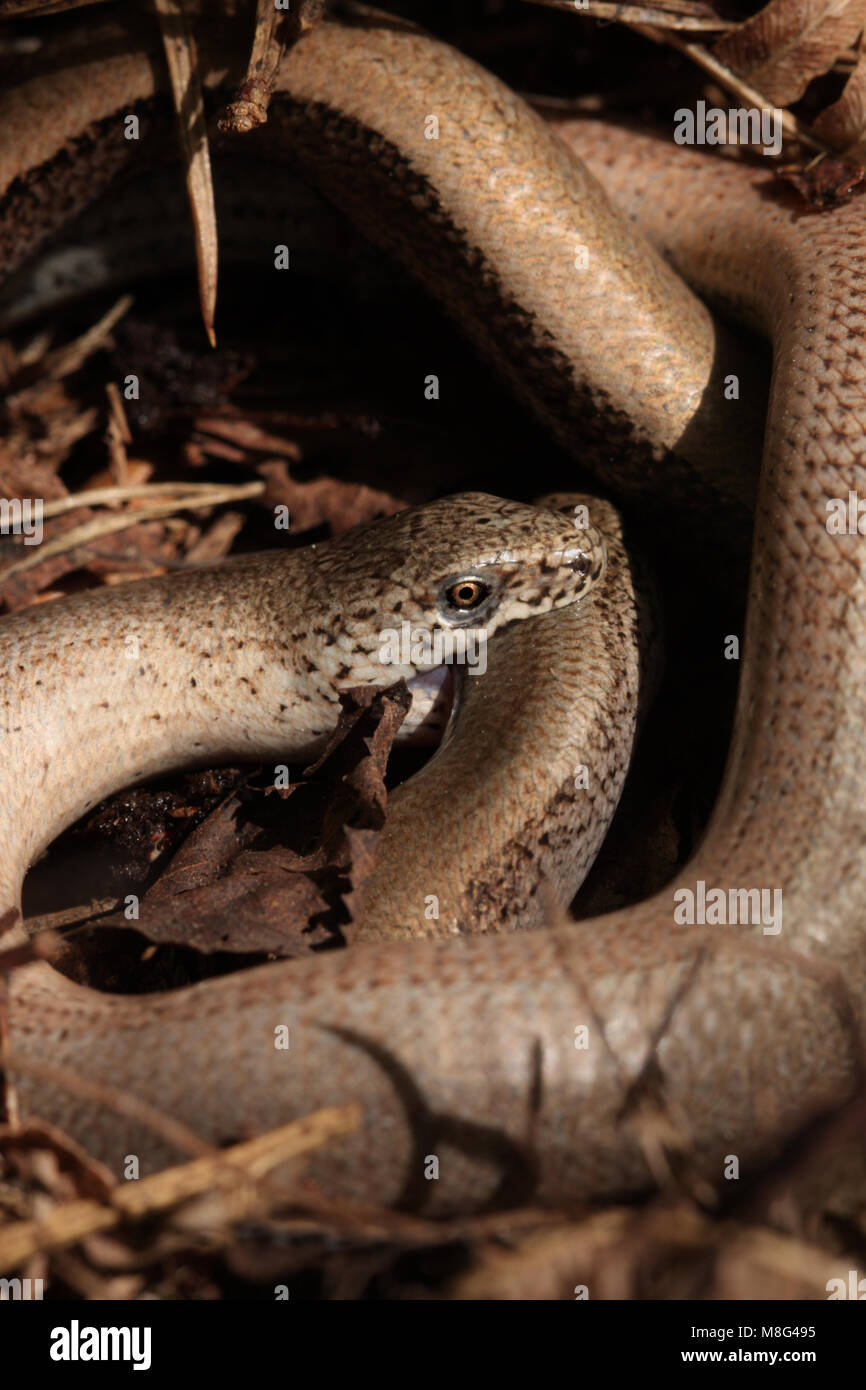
{"x": 100, "y": 496}
{"x": 182, "y": 58}
{"x": 63, "y": 361}
{"x": 107, "y": 525}
{"x": 668, "y": 15}
{"x": 250, "y": 106}
{"x": 223, "y": 1169}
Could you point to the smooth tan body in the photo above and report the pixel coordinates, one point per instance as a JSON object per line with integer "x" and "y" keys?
{"x": 466, "y": 1048}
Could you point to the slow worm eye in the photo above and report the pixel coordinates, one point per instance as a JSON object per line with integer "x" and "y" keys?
{"x": 467, "y": 593}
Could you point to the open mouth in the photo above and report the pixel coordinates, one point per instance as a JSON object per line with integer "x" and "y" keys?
{"x": 435, "y": 701}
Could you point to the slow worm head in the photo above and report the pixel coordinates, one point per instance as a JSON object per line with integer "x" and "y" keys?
{"x": 249, "y": 659}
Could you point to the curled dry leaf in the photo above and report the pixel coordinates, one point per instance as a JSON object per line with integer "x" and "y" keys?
{"x": 843, "y": 124}
{"x": 827, "y": 183}
{"x": 789, "y": 42}
{"x": 264, "y": 871}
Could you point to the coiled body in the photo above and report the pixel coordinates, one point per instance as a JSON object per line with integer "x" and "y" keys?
{"x": 467, "y": 1048}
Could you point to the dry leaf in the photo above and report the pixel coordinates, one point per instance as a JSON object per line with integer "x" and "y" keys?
{"x": 843, "y": 123}
{"x": 779, "y": 50}
{"x": 827, "y": 183}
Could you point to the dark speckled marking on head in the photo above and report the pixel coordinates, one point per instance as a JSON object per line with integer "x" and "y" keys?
{"x": 531, "y": 560}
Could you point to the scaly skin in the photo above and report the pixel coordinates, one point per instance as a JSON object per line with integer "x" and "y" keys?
{"x": 248, "y": 659}
{"x": 466, "y": 1048}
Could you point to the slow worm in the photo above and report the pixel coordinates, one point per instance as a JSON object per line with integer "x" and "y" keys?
{"x": 465, "y": 1048}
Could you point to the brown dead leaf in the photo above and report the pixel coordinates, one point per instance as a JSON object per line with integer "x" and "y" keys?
{"x": 28, "y": 477}
{"x": 827, "y": 183}
{"x": 843, "y": 124}
{"x": 241, "y": 437}
{"x": 324, "y": 501}
{"x": 789, "y": 42}
{"x": 144, "y": 548}
{"x": 355, "y": 760}
{"x": 257, "y": 907}
{"x": 265, "y": 870}
{"x": 386, "y": 709}
{"x": 362, "y": 848}
{"x": 220, "y": 893}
